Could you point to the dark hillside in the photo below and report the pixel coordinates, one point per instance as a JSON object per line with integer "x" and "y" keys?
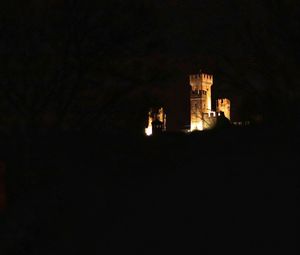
{"x": 228, "y": 190}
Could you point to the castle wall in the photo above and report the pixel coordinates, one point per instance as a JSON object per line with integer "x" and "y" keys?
{"x": 209, "y": 120}
{"x": 156, "y": 114}
{"x": 223, "y": 105}
{"x": 200, "y": 99}
{"x": 196, "y": 113}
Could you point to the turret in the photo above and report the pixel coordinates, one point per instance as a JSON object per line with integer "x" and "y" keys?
{"x": 156, "y": 120}
{"x": 223, "y": 105}
{"x": 200, "y": 98}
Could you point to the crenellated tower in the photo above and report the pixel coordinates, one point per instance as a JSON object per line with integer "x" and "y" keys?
{"x": 202, "y": 116}
{"x": 200, "y": 99}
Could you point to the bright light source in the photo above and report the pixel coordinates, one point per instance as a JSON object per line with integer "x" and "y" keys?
{"x": 148, "y": 130}
{"x": 197, "y": 125}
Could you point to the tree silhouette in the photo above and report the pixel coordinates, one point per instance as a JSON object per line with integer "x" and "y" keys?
{"x": 265, "y": 60}
{"x": 72, "y": 64}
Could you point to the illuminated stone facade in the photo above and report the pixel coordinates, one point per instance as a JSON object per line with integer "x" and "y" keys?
{"x": 155, "y": 115}
{"x": 202, "y": 115}
{"x": 200, "y": 99}
{"x": 223, "y": 105}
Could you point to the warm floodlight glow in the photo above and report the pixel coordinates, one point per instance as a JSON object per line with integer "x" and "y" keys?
{"x": 148, "y": 130}
{"x": 156, "y": 114}
{"x": 197, "y": 126}
{"x": 200, "y": 100}
{"x": 223, "y": 105}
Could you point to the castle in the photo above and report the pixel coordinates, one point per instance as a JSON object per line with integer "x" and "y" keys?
{"x": 202, "y": 116}
{"x": 157, "y": 120}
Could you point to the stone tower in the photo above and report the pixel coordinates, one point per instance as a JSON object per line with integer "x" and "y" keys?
{"x": 156, "y": 115}
{"x": 200, "y": 99}
{"x": 223, "y": 105}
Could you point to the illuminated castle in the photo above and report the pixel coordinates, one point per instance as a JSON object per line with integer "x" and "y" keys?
{"x": 223, "y": 105}
{"x": 202, "y": 115}
{"x": 156, "y": 121}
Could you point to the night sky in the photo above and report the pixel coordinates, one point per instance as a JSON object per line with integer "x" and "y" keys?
{"x": 126, "y": 56}
{"x": 96, "y": 67}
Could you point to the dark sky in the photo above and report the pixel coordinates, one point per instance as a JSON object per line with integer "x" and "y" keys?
{"x": 142, "y": 52}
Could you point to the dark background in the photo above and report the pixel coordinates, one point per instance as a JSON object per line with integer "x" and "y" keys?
{"x": 76, "y": 82}
{"x": 102, "y": 64}
{"x": 234, "y": 190}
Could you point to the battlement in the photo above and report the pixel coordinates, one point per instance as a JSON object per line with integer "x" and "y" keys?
{"x": 202, "y": 116}
{"x": 223, "y": 101}
{"x": 201, "y": 78}
{"x": 207, "y": 78}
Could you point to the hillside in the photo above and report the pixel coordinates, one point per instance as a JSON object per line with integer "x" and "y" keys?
{"x": 215, "y": 191}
